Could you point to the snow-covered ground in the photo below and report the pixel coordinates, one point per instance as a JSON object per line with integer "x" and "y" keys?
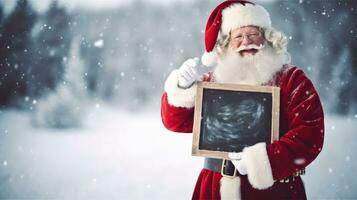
{"x": 122, "y": 155}
{"x": 333, "y": 174}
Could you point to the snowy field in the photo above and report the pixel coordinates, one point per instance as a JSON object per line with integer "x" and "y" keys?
{"x": 122, "y": 155}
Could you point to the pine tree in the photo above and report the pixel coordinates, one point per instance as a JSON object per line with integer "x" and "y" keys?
{"x": 1, "y": 16}
{"x": 15, "y": 51}
{"x": 52, "y": 45}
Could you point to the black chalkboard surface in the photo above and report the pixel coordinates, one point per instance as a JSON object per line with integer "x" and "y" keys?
{"x": 230, "y": 117}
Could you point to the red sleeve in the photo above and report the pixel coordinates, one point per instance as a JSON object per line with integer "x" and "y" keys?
{"x": 177, "y": 105}
{"x": 177, "y": 119}
{"x": 302, "y": 126}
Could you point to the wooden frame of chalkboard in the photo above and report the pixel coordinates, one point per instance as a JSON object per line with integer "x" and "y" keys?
{"x": 254, "y": 111}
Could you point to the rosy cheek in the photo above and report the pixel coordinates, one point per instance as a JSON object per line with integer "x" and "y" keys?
{"x": 259, "y": 41}
{"x": 234, "y": 44}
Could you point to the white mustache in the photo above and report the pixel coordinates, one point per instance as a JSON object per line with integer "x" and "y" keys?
{"x": 251, "y": 46}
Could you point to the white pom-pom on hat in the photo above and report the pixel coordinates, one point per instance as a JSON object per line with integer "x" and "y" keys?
{"x": 209, "y": 59}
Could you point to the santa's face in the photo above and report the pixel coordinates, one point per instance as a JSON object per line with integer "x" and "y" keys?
{"x": 253, "y": 61}
{"x": 246, "y": 39}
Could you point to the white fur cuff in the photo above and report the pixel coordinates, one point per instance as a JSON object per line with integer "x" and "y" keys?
{"x": 258, "y": 166}
{"x": 179, "y": 97}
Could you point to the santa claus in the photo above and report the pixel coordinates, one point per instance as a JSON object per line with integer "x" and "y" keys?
{"x": 244, "y": 49}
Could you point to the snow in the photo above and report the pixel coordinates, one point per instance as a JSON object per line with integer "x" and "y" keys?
{"x": 123, "y": 155}
{"x": 332, "y": 175}
{"x": 99, "y": 43}
{"x": 111, "y": 157}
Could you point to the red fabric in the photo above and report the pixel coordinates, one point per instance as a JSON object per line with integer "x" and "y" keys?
{"x": 301, "y": 138}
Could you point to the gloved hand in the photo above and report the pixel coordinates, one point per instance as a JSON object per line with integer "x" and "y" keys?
{"x": 188, "y": 73}
{"x": 238, "y": 163}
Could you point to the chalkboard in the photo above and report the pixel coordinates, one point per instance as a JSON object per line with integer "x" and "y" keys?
{"x": 229, "y": 117}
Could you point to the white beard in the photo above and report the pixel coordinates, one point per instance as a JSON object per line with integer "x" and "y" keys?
{"x": 250, "y": 70}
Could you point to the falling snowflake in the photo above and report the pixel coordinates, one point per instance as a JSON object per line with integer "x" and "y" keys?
{"x": 99, "y": 43}
{"x": 348, "y": 158}
{"x": 299, "y": 161}
{"x": 330, "y": 170}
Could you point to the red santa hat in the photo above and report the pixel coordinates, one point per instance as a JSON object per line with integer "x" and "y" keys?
{"x": 229, "y": 15}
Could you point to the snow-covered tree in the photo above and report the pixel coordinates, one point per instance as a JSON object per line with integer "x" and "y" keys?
{"x": 65, "y": 106}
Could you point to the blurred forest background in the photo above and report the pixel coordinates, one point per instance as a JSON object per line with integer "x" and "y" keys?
{"x": 81, "y": 81}
{"x": 123, "y": 55}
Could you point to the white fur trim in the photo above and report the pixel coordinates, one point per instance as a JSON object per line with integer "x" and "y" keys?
{"x": 230, "y": 188}
{"x": 209, "y": 59}
{"x": 239, "y": 15}
{"x": 179, "y": 97}
{"x": 258, "y": 166}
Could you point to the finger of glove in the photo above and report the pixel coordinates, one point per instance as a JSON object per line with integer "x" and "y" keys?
{"x": 239, "y": 165}
{"x": 242, "y": 169}
{"x": 183, "y": 82}
{"x": 188, "y": 72}
{"x": 193, "y": 71}
{"x": 197, "y": 60}
{"x": 235, "y": 163}
{"x": 191, "y": 62}
{"x": 184, "y": 67}
{"x": 187, "y": 75}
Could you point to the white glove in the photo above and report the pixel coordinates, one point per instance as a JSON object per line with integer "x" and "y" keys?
{"x": 188, "y": 73}
{"x": 238, "y": 163}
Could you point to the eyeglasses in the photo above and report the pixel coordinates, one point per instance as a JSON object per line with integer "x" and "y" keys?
{"x": 250, "y": 36}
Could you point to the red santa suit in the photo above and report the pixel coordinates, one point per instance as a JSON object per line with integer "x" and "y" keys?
{"x": 270, "y": 167}
{"x": 301, "y": 138}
